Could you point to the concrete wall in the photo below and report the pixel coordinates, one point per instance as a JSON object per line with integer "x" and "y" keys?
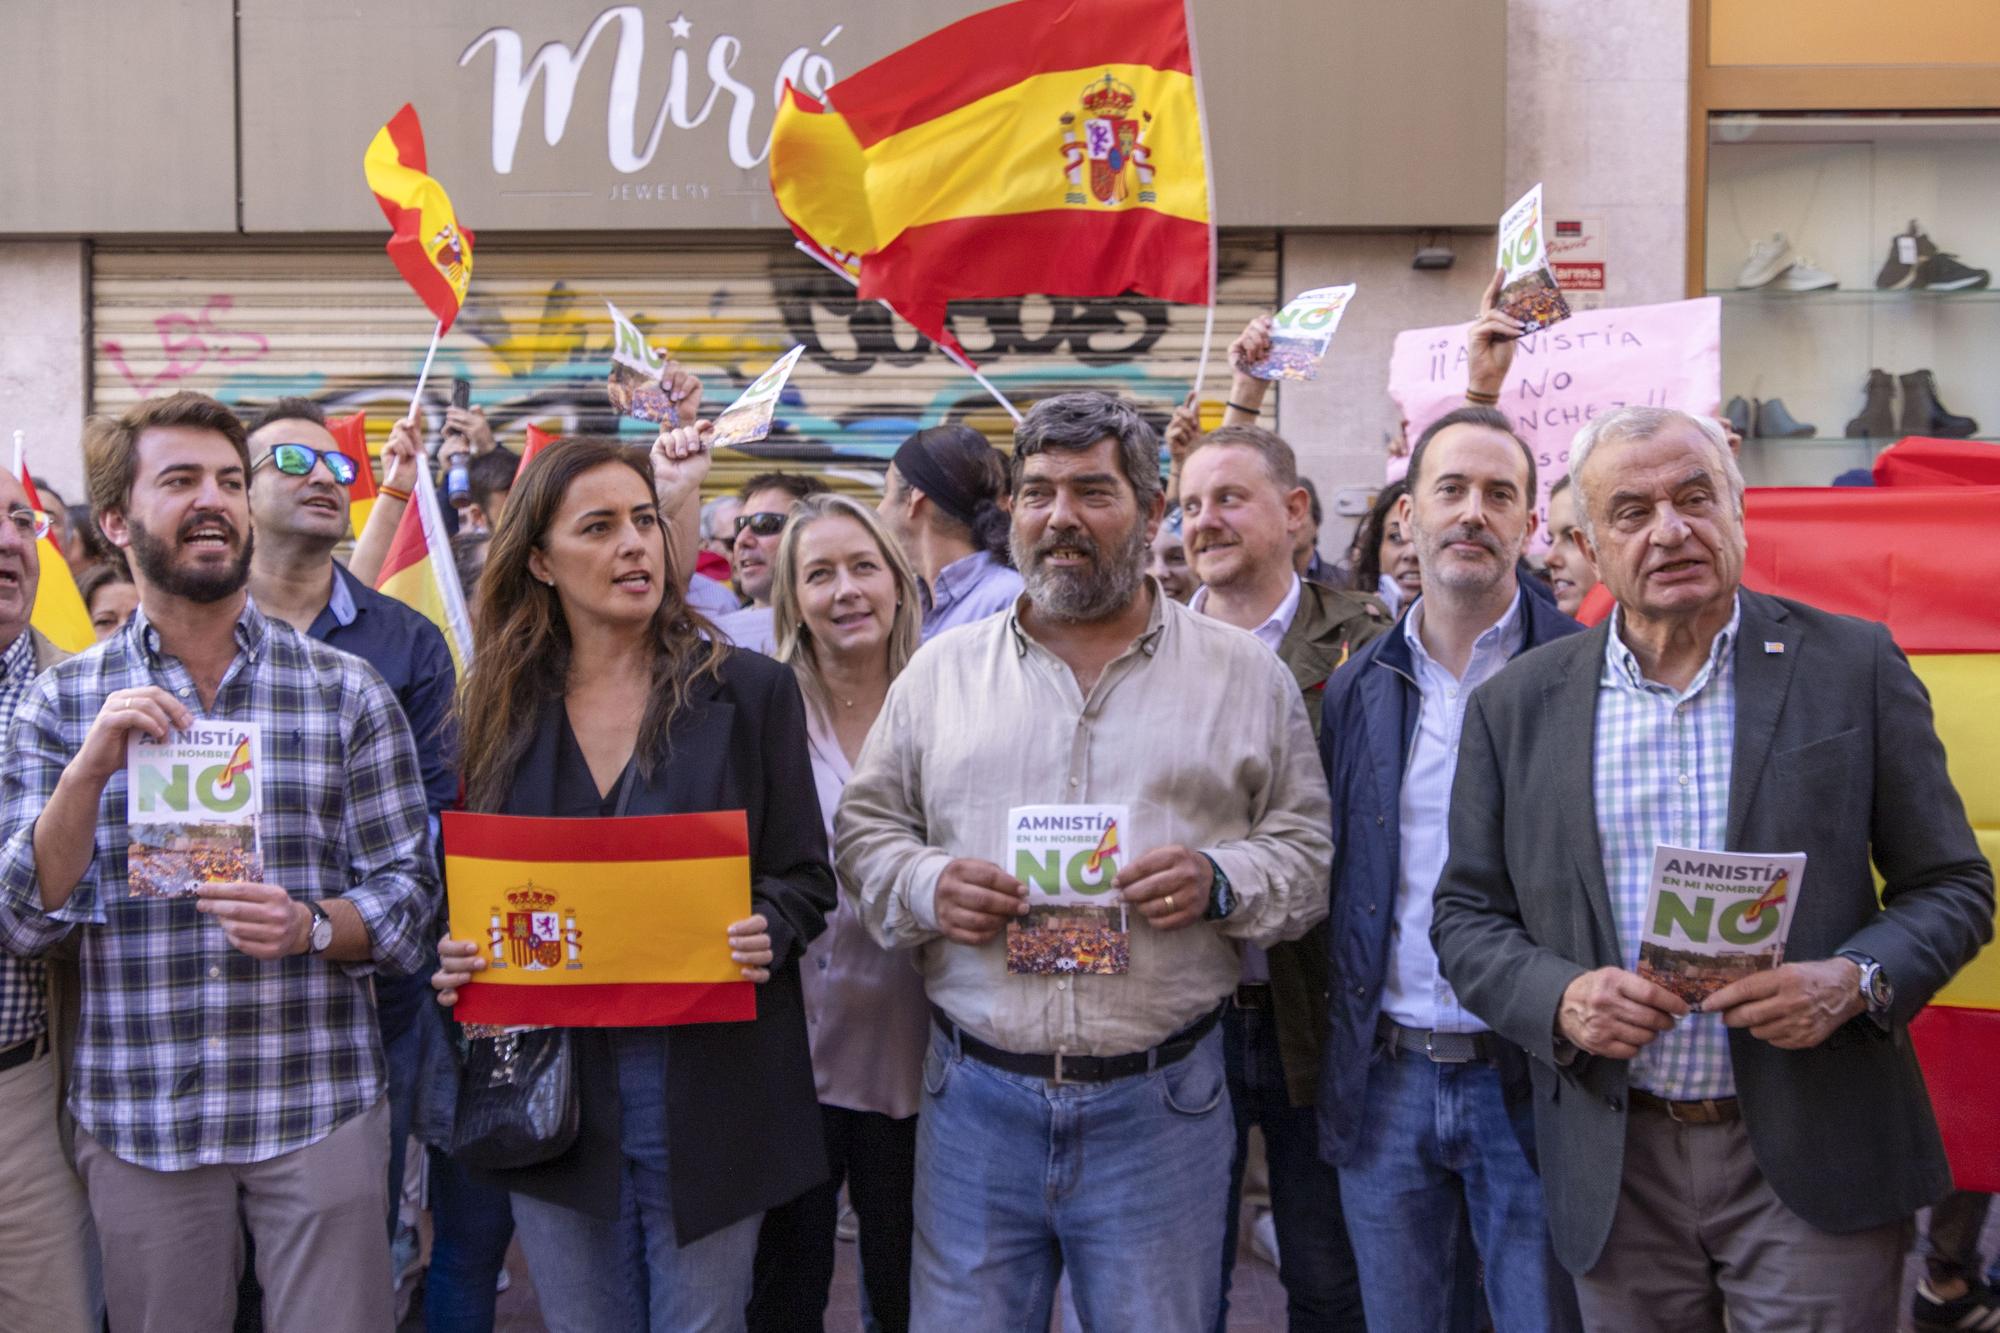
{"x": 45, "y": 357}
{"x": 1597, "y": 110}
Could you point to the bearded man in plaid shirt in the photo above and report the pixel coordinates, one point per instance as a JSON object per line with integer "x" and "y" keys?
{"x": 228, "y": 1063}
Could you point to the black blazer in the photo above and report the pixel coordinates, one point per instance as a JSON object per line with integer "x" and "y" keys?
{"x": 1835, "y": 755}
{"x": 743, "y": 1121}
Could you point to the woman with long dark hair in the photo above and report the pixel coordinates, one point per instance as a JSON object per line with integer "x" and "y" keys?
{"x": 595, "y": 691}
{"x": 845, "y": 608}
{"x": 944, "y": 498}
{"x": 1384, "y": 557}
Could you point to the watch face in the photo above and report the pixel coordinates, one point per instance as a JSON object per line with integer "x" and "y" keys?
{"x": 322, "y": 933}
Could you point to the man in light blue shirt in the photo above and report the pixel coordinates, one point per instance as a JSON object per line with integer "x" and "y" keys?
{"x": 942, "y": 500}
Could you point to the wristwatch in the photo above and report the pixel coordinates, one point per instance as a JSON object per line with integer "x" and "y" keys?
{"x": 1876, "y": 989}
{"x": 320, "y": 937}
{"x": 1221, "y": 898}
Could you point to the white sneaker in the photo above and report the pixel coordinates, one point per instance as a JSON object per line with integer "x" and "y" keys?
{"x": 1767, "y": 260}
{"x": 1264, "y": 1237}
{"x": 1803, "y": 277}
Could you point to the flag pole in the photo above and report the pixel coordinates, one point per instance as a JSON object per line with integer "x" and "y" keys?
{"x": 1208, "y": 185}
{"x": 20, "y": 452}
{"x": 950, "y": 355}
{"x": 423, "y": 376}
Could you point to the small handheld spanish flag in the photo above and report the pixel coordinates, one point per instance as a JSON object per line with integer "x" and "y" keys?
{"x": 428, "y": 247}
{"x": 59, "y": 611}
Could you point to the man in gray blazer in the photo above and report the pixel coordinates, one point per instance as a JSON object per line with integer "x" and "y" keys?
{"x": 1767, "y": 1152}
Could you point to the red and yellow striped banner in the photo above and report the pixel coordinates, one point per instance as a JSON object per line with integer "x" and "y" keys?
{"x": 601, "y": 922}
{"x": 1923, "y": 561}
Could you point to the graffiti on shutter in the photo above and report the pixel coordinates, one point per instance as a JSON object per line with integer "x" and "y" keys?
{"x": 254, "y": 322}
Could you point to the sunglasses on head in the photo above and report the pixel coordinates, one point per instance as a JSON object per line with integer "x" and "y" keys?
{"x": 298, "y": 460}
{"x": 31, "y": 523}
{"x": 764, "y": 525}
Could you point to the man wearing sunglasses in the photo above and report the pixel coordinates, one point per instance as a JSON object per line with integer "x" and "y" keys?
{"x": 298, "y": 510}
{"x": 47, "y": 1252}
{"x": 767, "y": 505}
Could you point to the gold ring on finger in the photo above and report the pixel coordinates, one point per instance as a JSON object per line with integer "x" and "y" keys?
{"x": 1169, "y": 901}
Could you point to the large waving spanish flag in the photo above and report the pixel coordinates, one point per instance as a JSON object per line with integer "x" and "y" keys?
{"x": 419, "y": 572}
{"x": 1923, "y": 561}
{"x": 428, "y": 247}
{"x": 59, "y": 612}
{"x": 1050, "y": 146}
{"x": 601, "y": 922}
{"x": 350, "y": 433}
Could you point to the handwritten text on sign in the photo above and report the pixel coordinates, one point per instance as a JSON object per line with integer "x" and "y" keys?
{"x": 1658, "y": 355}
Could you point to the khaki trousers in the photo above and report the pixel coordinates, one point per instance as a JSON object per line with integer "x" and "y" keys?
{"x": 1698, "y": 1230}
{"x": 48, "y": 1256}
{"x": 173, "y": 1242}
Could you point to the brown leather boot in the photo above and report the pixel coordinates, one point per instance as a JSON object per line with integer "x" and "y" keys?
{"x": 1878, "y": 416}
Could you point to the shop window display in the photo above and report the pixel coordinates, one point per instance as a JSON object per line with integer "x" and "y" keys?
{"x": 1854, "y": 255}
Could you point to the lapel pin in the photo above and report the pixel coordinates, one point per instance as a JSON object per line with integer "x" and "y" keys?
{"x": 1773, "y": 646}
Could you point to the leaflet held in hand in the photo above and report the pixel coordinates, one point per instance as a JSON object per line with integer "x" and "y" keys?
{"x": 748, "y": 419}
{"x": 1301, "y": 332}
{"x": 1528, "y": 289}
{"x": 1716, "y": 917}
{"x": 1067, "y": 856}
{"x": 634, "y": 386}
{"x": 192, "y": 803}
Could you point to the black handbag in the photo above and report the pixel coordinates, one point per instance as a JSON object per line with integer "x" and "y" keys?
{"x": 517, "y": 1093}
{"x": 517, "y": 1099}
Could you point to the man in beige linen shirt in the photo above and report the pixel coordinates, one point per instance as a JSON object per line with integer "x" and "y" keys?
{"x": 1078, "y": 1122}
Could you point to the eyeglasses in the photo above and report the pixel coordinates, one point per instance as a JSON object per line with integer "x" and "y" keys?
{"x": 298, "y": 460}
{"x": 32, "y": 524}
{"x": 764, "y": 525}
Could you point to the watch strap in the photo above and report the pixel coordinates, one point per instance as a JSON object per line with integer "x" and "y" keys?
{"x": 1221, "y": 897}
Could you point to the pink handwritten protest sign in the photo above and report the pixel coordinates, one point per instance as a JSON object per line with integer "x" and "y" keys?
{"x": 1664, "y": 355}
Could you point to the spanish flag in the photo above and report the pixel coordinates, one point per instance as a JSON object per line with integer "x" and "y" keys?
{"x": 538, "y": 440}
{"x": 1922, "y": 561}
{"x": 350, "y": 435}
{"x": 59, "y": 612}
{"x": 1050, "y": 146}
{"x": 418, "y": 571}
{"x": 601, "y": 922}
{"x": 429, "y": 248}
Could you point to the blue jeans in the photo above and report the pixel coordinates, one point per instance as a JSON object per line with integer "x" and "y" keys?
{"x": 471, "y": 1224}
{"x": 1440, "y": 1153}
{"x": 1315, "y": 1262}
{"x": 1117, "y": 1183}
{"x": 592, "y": 1274}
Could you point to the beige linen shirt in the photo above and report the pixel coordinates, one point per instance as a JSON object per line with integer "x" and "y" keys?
{"x": 1196, "y": 727}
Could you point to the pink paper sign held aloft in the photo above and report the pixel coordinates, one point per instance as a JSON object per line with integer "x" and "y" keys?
{"x": 1660, "y": 355}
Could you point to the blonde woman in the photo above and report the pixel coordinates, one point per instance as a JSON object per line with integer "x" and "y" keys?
{"x": 846, "y": 614}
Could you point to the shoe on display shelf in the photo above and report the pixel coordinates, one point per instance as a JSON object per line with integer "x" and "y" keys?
{"x": 1775, "y": 423}
{"x": 1801, "y": 276}
{"x": 1768, "y": 258}
{"x": 1740, "y": 415}
{"x": 1923, "y": 414}
{"x": 1907, "y": 250}
{"x": 1878, "y": 412}
{"x": 1943, "y": 272}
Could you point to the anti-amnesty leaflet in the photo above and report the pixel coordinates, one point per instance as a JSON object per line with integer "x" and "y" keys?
{"x": 1068, "y": 855}
{"x": 1715, "y": 917}
{"x": 191, "y": 807}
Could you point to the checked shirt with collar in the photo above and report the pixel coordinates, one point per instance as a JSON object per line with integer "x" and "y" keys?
{"x": 1662, "y": 761}
{"x": 190, "y": 1052}
{"x": 24, "y": 1012}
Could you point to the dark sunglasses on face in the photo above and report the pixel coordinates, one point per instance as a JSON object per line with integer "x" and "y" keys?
{"x": 764, "y": 525}
{"x": 297, "y": 460}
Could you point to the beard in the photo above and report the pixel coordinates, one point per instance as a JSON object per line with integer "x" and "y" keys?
{"x": 155, "y": 559}
{"x": 1097, "y": 593}
{"x": 1431, "y": 556}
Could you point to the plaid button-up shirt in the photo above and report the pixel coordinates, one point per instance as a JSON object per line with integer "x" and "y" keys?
{"x": 190, "y": 1052}
{"x": 1662, "y": 765}
{"x": 24, "y": 1008}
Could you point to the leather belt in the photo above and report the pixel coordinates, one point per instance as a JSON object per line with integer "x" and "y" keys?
{"x": 1254, "y": 995}
{"x": 23, "y": 1051}
{"x": 1707, "y": 1111}
{"x": 1061, "y": 1068}
{"x": 1440, "y": 1048}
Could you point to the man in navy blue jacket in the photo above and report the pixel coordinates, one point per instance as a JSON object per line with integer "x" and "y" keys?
{"x": 1422, "y": 1109}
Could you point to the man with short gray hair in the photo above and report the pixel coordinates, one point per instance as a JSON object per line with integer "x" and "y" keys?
{"x": 1756, "y": 1156}
{"x": 1075, "y": 1119}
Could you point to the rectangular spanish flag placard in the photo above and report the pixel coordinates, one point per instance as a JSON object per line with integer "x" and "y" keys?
{"x": 600, "y": 922}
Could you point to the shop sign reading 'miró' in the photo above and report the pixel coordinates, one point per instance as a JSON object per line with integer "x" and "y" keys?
{"x": 559, "y": 66}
